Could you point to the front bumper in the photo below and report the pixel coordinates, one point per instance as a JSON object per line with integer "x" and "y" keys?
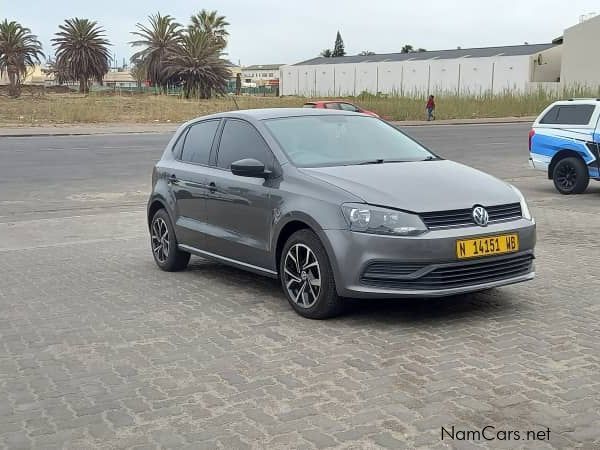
{"x": 426, "y": 265}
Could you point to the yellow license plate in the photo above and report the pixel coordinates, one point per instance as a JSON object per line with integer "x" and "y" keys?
{"x": 486, "y": 246}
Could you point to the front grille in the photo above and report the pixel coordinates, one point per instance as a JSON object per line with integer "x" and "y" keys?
{"x": 464, "y": 217}
{"x": 446, "y": 276}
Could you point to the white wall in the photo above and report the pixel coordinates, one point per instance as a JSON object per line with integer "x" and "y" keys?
{"x": 580, "y": 61}
{"x": 549, "y": 69}
{"x": 411, "y": 77}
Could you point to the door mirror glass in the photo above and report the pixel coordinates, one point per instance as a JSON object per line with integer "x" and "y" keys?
{"x": 248, "y": 167}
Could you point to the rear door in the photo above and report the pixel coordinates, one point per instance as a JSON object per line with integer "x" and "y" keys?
{"x": 188, "y": 181}
{"x": 239, "y": 209}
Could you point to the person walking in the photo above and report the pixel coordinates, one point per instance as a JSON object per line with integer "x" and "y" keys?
{"x": 430, "y": 107}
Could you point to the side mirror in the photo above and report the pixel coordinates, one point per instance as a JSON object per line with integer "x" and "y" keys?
{"x": 249, "y": 167}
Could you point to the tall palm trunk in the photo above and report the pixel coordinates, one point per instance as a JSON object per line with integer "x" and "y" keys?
{"x": 83, "y": 85}
{"x": 14, "y": 88}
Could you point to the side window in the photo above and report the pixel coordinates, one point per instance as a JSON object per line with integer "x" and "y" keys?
{"x": 198, "y": 142}
{"x": 550, "y": 116}
{"x": 332, "y": 105}
{"x": 348, "y": 107}
{"x": 569, "y": 115}
{"x": 239, "y": 141}
{"x": 176, "y": 150}
{"x": 575, "y": 114}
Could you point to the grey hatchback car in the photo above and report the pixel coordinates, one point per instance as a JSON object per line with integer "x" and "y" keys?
{"x": 334, "y": 204}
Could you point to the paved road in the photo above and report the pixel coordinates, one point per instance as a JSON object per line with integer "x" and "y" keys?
{"x": 99, "y": 349}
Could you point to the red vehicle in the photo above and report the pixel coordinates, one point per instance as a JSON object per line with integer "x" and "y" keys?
{"x": 339, "y": 104}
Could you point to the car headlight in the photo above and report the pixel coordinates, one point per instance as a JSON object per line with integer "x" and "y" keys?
{"x": 524, "y": 208}
{"x": 372, "y": 219}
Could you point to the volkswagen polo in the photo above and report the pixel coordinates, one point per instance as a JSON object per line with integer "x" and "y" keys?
{"x": 335, "y": 204}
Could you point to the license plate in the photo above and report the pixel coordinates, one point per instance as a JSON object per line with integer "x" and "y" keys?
{"x": 487, "y": 246}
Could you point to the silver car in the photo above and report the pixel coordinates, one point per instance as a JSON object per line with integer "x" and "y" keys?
{"x": 334, "y": 204}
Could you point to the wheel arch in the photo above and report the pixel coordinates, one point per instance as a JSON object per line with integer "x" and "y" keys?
{"x": 562, "y": 154}
{"x": 154, "y": 205}
{"x": 287, "y": 227}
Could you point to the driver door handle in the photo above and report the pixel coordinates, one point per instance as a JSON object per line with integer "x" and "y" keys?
{"x": 212, "y": 187}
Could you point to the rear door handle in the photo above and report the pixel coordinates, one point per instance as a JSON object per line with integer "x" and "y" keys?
{"x": 212, "y": 187}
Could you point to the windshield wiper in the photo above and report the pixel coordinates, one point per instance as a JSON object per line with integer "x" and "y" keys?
{"x": 371, "y": 161}
{"x": 385, "y": 161}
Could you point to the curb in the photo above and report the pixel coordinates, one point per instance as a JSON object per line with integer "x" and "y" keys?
{"x": 80, "y": 133}
{"x": 170, "y": 128}
{"x": 487, "y": 121}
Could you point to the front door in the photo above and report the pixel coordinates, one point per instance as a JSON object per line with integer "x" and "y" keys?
{"x": 188, "y": 181}
{"x": 239, "y": 209}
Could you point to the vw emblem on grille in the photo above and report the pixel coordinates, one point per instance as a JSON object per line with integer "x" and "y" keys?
{"x": 480, "y": 216}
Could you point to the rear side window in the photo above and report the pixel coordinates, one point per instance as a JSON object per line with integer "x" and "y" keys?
{"x": 176, "y": 150}
{"x": 309, "y": 105}
{"x": 240, "y": 140}
{"x": 569, "y": 115}
{"x": 348, "y": 107}
{"x": 198, "y": 142}
{"x": 332, "y": 105}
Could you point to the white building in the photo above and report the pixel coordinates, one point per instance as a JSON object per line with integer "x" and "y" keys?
{"x": 260, "y": 75}
{"x": 581, "y": 54}
{"x": 461, "y": 71}
{"x": 569, "y": 61}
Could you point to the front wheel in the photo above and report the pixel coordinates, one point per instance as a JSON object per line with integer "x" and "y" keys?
{"x": 571, "y": 176}
{"x": 164, "y": 244}
{"x": 307, "y": 278}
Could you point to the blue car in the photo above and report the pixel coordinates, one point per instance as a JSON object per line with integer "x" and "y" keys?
{"x": 565, "y": 143}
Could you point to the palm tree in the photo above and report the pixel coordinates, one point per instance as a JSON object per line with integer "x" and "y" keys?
{"x": 139, "y": 72}
{"x": 19, "y": 50}
{"x": 326, "y": 53}
{"x": 212, "y": 24}
{"x": 407, "y": 49}
{"x": 60, "y": 73}
{"x": 82, "y": 50}
{"x": 198, "y": 65}
{"x": 161, "y": 37}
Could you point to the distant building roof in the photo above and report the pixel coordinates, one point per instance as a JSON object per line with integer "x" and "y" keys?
{"x": 264, "y": 67}
{"x": 511, "y": 50}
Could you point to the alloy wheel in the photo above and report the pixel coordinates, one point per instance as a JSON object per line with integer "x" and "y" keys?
{"x": 302, "y": 275}
{"x": 566, "y": 176}
{"x": 160, "y": 240}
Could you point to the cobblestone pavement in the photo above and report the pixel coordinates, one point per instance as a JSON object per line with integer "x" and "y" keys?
{"x": 100, "y": 349}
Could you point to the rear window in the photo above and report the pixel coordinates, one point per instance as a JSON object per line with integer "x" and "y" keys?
{"x": 569, "y": 115}
{"x": 309, "y": 105}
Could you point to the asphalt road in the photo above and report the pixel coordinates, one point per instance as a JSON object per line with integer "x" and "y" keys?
{"x": 99, "y": 349}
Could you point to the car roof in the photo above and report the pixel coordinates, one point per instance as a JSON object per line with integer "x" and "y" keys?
{"x": 277, "y": 113}
{"x": 578, "y": 101}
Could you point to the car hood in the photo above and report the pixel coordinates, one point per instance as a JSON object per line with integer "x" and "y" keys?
{"x": 419, "y": 186}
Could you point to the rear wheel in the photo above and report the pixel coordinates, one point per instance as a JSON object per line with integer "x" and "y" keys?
{"x": 164, "y": 244}
{"x": 307, "y": 278}
{"x": 571, "y": 176}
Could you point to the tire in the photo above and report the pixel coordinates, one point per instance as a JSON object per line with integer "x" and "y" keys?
{"x": 571, "y": 176}
{"x": 316, "y": 301}
{"x": 167, "y": 255}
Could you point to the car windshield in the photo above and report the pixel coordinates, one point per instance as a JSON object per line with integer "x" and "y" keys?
{"x": 337, "y": 140}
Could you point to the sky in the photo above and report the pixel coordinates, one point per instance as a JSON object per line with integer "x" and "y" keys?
{"x": 286, "y": 32}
